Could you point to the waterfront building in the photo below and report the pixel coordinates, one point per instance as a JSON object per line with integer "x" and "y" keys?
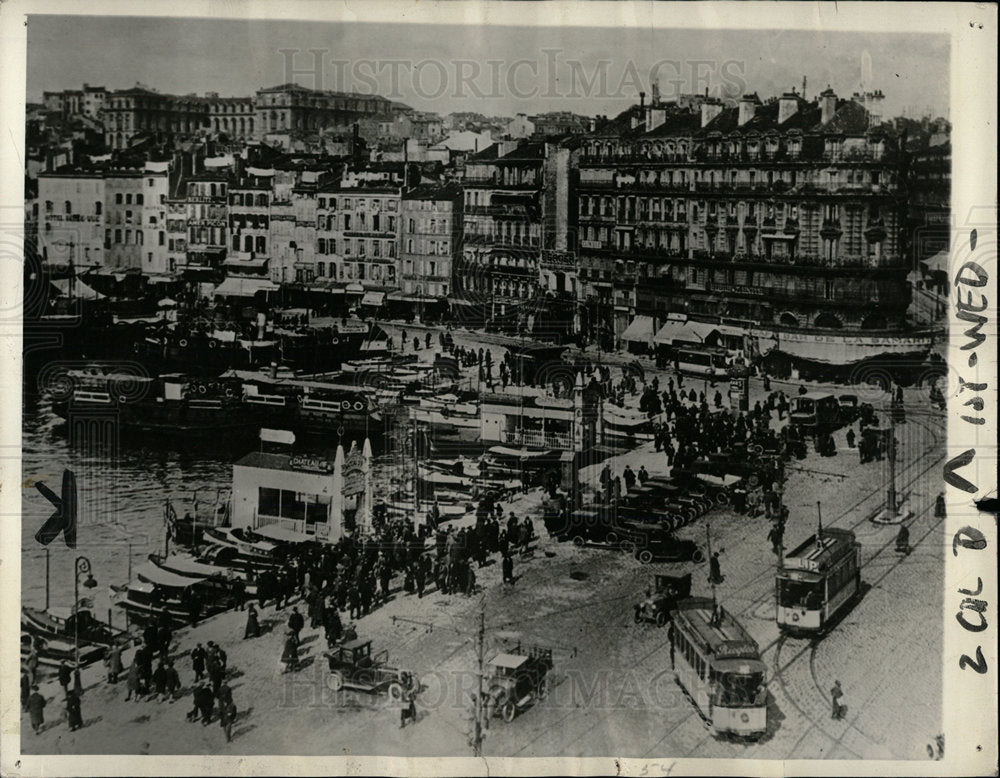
{"x": 71, "y": 217}
{"x": 518, "y": 198}
{"x": 206, "y": 211}
{"x": 785, "y": 213}
{"x": 431, "y": 241}
{"x": 357, "y": 235}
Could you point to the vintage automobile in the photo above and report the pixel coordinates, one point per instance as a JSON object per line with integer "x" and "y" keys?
{"x": 649, "y": 542}
{"x": 352, "y": 666}
{"x": 850, "y": 408}
{"x": 517, "y": 681}
{"x": 662, "y": 598}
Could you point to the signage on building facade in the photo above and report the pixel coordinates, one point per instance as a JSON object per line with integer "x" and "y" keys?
{"x": 311, "y": 464}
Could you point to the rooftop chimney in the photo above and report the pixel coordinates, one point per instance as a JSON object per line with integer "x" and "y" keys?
{"x": 656, "y": 91}
{"x": 748, "y": 108}
{"x": 709, "y": 111}
{"x": 788, "y": 105}
{"x": 642, "y": 100}
{"x": 827, "y": 104}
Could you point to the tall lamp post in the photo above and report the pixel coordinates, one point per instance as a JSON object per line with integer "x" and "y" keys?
{"x": 82, "y": 568}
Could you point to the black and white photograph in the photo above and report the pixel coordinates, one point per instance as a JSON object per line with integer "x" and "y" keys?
{"x": 613, "y": 383}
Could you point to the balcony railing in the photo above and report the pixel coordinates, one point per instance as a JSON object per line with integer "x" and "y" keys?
{"x": 537, "y": 438}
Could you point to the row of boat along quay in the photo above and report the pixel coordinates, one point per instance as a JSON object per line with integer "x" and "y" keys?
{"x": 620, "y": 553}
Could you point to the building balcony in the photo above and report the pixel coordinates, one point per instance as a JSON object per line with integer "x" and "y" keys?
{"x": 537, "y": 438}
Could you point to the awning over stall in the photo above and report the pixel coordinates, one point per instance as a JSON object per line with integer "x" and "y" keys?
{"x": 640, "y": 330}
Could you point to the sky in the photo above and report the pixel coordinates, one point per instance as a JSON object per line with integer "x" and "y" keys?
{"x": 492, "y": 70}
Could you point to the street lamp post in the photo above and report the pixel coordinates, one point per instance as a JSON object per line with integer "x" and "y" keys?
{"x": 82, "y": 567}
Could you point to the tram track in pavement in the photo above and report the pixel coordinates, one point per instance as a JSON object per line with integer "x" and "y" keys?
{"x": 780, "y": 640}
{"x": 814, "y": 644}
{"x": 936, "y": 435}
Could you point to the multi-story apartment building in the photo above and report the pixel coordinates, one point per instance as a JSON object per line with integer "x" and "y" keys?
{"x": 368, "y": 217}
{"x": 785, "y": 214}
{"x": 431, "y": 240}
{"x": 502, "y": 238}
{"x": 294, "y": 214}
{"x": 124, "y": 237}
{"x": 520, "y": 224}
{"x": 206, "y": 202}
{"x": 176, "y": 215}
{"x": 250, "y": 223}
{"x": 71, "y": 217}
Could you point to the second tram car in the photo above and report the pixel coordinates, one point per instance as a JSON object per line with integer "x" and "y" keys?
{"x": 718, "y": 664}
{"x": 817, "y": 580}
{"x": 704, "y": 361}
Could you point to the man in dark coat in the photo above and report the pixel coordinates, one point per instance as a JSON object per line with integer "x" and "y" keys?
{"x": 65, "y": 676}
{"x": 508, "y": 569}
{"x": 36, "y": 709}
{"x": 198, "y": 662}
{"x": 164, "y": 636}
{"x": 715, "y": 571}
{"x": 295, "y": 623}
{"x": 74, "y": 716}
{"x": 25, "y": 690}
{"x": 114, "y": 662}
{"x": 173, "y": 681}
{"x": 204, "y": 702}
{"x": 160, "y": 681}
{"x": 227, "y": 711}
{"x": 252, "y": 629}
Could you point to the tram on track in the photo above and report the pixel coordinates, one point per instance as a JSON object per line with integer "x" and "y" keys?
{"x": 703, "y": 361}
{"x": 718, "y": 664}
{"x": 816, "y": 581}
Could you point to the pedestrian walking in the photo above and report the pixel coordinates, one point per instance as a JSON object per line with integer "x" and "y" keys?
{"x": 204, "y": 704}
{"x": 74, "y": 715}
{"x": 290, "y": 653}
{"x": 940, "y": 510}
{"x": 837, "y": 709}
{"x": 252, "y": 629}
{"x": 775, "y": 536}
{"x": 508, "y": 569}
{"x": 227, "y": 711}
{"x": 132, "y": 681}
{"x": 407, "y": 708}
{"x": 198, "y": 662}
{"x": 65, "y": 676}
{"x": 851, "y": 437}
{"x": 295, "y": 623}
{"x": 903, "y": 540}
{"x": 32, "y": 663}
{"x": 715, "y": 570}
{"x": 173, "y": 681}
{"x": 25, "y": 690}
{"x": 36, "y": 709}
{"x": 160, "y": 681}
{"x": 113, "y": 661}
